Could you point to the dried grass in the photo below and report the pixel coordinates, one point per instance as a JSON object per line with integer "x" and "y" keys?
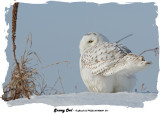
{"x": 42, "y": 87}
{"x": 29, "y": 81}
{"x": 25, "y": 79}
{"x": 22, "y": 84}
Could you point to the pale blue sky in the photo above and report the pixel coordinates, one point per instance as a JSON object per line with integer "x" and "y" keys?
{"x": 58, "y": 27}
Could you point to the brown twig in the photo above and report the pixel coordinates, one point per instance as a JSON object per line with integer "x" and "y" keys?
{"x": 154, "y": 49}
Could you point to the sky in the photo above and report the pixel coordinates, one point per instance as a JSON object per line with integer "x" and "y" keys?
{"x": 58, "y": 27}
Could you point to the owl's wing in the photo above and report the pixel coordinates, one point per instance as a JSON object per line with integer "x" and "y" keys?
{"x": 103, "y": 57}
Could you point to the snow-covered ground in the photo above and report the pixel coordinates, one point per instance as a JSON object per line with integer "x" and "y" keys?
{"x": 88, "y": 98}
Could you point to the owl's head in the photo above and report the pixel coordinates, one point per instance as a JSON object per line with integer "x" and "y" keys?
{"x": 91, "y": 39}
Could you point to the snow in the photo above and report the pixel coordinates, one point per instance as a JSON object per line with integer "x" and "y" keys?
{"x": 87, "y": 98}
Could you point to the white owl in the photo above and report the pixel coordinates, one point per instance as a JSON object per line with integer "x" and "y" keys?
{"x": 108, "y": 67}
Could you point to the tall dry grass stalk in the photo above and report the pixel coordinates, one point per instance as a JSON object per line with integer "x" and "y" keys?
{"x": 29, "y": 81}
{"x": 23, "y": 78}
{"x": 14, "y": 23}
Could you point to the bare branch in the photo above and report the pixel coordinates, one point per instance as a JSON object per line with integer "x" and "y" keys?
{"x": 124, "y": 38}
{"x": 154, "y": 49}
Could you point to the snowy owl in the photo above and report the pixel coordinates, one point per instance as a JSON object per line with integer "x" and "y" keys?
{"x": 108, "y": 67}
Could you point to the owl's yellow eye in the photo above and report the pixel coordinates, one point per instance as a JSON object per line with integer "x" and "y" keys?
{"x": 90, "y": 41}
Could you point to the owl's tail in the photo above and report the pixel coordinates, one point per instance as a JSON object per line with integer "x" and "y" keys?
{"x": 136, "y": 63}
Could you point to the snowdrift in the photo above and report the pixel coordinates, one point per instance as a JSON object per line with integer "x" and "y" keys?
{"x": 87, "y": 98}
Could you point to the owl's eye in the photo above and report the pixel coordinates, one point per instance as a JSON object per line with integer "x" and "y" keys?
{"x": 90, "y": 41}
